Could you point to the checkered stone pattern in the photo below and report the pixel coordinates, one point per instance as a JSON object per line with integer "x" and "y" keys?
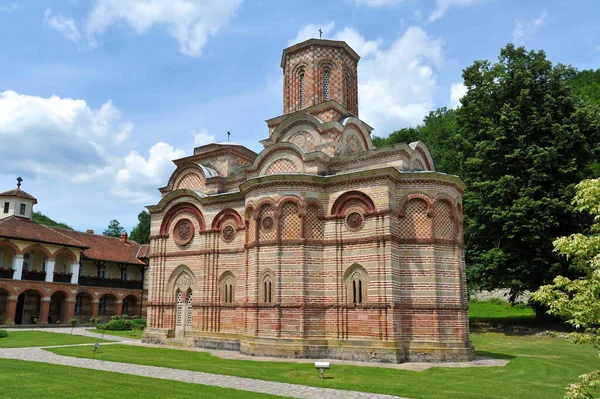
{"x": 291, "y": 227}
{"x": 316, "y": 59}
{"x": 281, "y": 166}
{"x": 313, "y": 226}
{"x": 415, "y": 223}
{"x": 267, "y": 234}
{"x": 191, "y": 181}
{"x": 442, "y": 227}
{"x": 417, "y": 165}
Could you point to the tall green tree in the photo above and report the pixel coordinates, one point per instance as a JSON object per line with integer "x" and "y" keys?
{"x": 523, "y": 147}
{"x": 141, "y": 232}
{"x": 114, "y": 229}
{"x": 578, "y": 301}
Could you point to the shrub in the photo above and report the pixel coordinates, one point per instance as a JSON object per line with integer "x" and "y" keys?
{"x": 3, "y": 334}
{"x": 123, "y": 325}
{"x": 497, "y": 301}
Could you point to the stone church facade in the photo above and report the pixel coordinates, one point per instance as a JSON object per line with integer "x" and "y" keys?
{"x": 321, "y": 246}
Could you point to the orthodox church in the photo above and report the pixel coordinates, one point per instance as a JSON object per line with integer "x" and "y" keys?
{"x": 321, "y": 245}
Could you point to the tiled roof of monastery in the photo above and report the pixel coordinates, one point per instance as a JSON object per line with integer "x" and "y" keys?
{"x": 95, "y": 246}
{"x": 107, "y": 248}
{"x": 17, "y": 192}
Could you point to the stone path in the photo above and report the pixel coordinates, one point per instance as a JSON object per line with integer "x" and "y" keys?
{"x": 233, "y": 355}
{"x": 194, "y": 377}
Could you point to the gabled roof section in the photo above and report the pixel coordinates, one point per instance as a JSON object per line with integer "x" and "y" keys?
{"x": 17, "y": 192}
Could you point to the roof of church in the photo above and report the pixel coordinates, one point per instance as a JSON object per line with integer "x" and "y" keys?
{"x": 17, "y": 192}
{"x": 94, "y": 246}
{"x": 321, "y": 42}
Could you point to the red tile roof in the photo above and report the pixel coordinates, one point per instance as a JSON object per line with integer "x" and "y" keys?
{"x": 107, "y": 248}
{"x": 96, "y": 247}
{"x": 17, "y": 192}
{"x": 25, "y": 229}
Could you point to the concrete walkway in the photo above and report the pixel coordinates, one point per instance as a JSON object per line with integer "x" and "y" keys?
{"x": 194, "y": 377}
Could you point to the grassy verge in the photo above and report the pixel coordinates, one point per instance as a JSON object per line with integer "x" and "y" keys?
{"x": 539, "y": 368}
{"x": 136, "y": 334}
{"x": 24, "y": 339}
{"x": 31, "y": 380}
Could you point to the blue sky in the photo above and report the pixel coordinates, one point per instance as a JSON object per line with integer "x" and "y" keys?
{"x": 97, "y": 97}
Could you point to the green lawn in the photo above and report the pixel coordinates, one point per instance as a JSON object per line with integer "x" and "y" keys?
{"x": 24, "y": 339}
{"x": 31, "y": 380}
{"x": 539, "y": 368}
{"x": 499, "y": 312}
{"x": 136, "y": 334}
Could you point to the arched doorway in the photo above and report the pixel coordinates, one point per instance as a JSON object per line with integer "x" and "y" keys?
{"x": 57, "y": 307}
{"x": 130, "y": 306}
{"x": 3, "y": 305}
{"x": 28, "y": 307}
{"x": 107, "y": 305}
{"x": 183, "y": 312}
{"x": 83, "y": 306}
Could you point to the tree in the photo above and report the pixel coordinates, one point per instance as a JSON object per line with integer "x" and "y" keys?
{"x": 523, "y": 146}
{"x": 40, "y": 218}
{"x": 141, "y": 232}
{"x": 439, "y": 133}
{"x": 578, "y": 301}
{"x": 114, "y": 229}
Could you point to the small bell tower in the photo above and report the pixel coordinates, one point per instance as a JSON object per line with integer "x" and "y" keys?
{"x": 318, "y": 70}
{"x": 17, "y": 202}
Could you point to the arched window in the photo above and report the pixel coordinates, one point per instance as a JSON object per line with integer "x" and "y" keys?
{"x": 227, "y": 290}
{"x": 326, "y": 78}
{"x": 346, "y": 86}
{"x": 302, "y": 87}
{"x": 357, "y": 288}
{"x": 267, "y": 289}
{"x": 356, "y": 284}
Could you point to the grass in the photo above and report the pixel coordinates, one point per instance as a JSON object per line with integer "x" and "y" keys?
{"x": 31, "y": 380}
{"x": 539, "y": 368}
{"x": 25, "y": 339}
{"x": 499, "y": 311}
{"x": 134, "y": 334}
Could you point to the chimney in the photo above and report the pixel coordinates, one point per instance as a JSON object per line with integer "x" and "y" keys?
{"x": 124, "y": 236}
{"x": 89, "y": 231}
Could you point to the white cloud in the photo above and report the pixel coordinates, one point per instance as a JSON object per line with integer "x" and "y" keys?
{"x": 442, "y": 6}
{"x": 524, "y": 30}
{"x": 63, "y": 25}
{"x": 377, "y": 3}
{"x": 457, "y": 91}
{"x": 64, "y": 139}
{"x": 190, "y": 22}
{"x": 138, "y": 175}
{"x": 202, "y": 137}
{"x": 57, "y": 138}
{"x": 311, "y": 31}
{"x": 397, "y": 81}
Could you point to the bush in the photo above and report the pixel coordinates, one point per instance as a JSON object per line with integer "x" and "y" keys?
{"x": 497, "y": 301}
{"x": 3, "y": 334}
{"x": 121, "y": 324}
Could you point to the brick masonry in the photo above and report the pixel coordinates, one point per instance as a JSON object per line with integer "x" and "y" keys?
{"x": 353, "y": 254}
